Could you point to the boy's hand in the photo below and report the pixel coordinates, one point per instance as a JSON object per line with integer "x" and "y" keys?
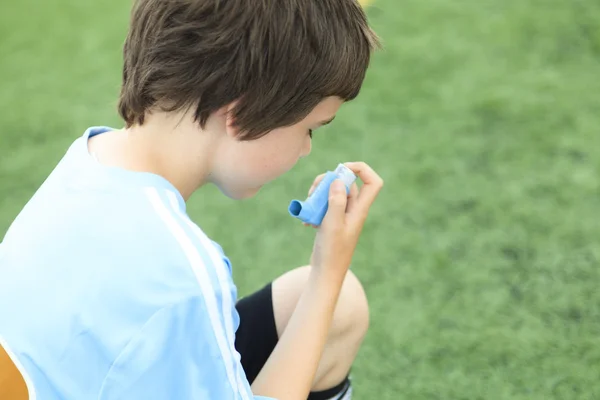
{"x": 338, "y": 234}
{"x": 351, "y": 197}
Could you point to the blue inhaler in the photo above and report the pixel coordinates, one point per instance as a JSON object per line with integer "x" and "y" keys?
{"x": 313, "y": 209}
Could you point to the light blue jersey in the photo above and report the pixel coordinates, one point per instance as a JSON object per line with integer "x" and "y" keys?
{"x": 109, "y": 291}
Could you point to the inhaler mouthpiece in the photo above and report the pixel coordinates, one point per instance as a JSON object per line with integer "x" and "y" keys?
{"x": 313, "y": 209}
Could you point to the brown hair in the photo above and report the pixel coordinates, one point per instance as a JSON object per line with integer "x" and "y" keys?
{"x": 277, "y": 58}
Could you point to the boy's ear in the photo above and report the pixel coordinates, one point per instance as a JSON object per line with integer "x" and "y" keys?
{"x": 231, "y": 128}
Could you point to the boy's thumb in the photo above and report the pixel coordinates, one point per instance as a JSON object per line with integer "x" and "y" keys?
{"x": 337, "y": 200}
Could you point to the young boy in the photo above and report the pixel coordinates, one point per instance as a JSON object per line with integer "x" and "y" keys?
{"x": 109, "y": 290}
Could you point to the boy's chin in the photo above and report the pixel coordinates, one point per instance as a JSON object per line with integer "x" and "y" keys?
{"x": 240, "y": 193}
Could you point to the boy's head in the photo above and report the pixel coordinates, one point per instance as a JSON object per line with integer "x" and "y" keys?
{"x": 271, "y": 67}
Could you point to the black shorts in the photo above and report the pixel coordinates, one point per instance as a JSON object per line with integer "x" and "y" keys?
{"x": 257, "y": 336}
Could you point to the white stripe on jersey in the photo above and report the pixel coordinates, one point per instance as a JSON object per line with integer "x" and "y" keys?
{"x": 203, "y": 278}
{"x": 220, "y": 267}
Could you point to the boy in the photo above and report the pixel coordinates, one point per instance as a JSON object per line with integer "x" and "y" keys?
{"x": 110, "y": 291}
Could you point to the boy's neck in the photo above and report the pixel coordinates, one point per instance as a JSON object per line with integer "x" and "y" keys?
{"x": 162, "y": 148}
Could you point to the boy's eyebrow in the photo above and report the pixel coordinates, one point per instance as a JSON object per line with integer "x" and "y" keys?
{"x": 323, "y": 123}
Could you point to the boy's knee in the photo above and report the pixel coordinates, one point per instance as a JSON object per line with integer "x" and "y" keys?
{"x": 351, "y": 315}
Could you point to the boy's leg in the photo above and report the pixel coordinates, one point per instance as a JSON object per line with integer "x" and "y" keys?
{"x": 264, "y": 316}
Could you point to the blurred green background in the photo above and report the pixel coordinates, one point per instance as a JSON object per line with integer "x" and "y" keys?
{"x": 481, "y": 258}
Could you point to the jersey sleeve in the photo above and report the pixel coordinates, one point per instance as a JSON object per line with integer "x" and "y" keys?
{"x": 178, "y": 354}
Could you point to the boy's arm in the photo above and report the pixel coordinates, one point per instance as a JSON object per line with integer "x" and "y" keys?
{"x": 289, "y": 372}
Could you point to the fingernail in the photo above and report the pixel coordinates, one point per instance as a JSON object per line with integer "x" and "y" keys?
{"x": 338, "y": 186}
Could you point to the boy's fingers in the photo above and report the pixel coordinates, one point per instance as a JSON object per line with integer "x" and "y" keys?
{"x": 364, "y": 172}
{"x": 372, "y": 184}
{"x": 338, "y": 200}
{"x": 352, "y": 197}
{"x": 357, "y": 203}
{"x": 316, "y": 182}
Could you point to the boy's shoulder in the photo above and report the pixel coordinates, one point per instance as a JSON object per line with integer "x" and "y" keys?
{"x": 97, "y": 214}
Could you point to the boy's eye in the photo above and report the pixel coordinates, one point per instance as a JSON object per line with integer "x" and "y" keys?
{"x": 310, "y": 133}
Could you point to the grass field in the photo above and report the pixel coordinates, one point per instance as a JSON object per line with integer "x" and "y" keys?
{"x": 481, "y": 259}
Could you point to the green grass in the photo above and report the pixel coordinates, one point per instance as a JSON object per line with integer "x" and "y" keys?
{"x": 481, "y": 259}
